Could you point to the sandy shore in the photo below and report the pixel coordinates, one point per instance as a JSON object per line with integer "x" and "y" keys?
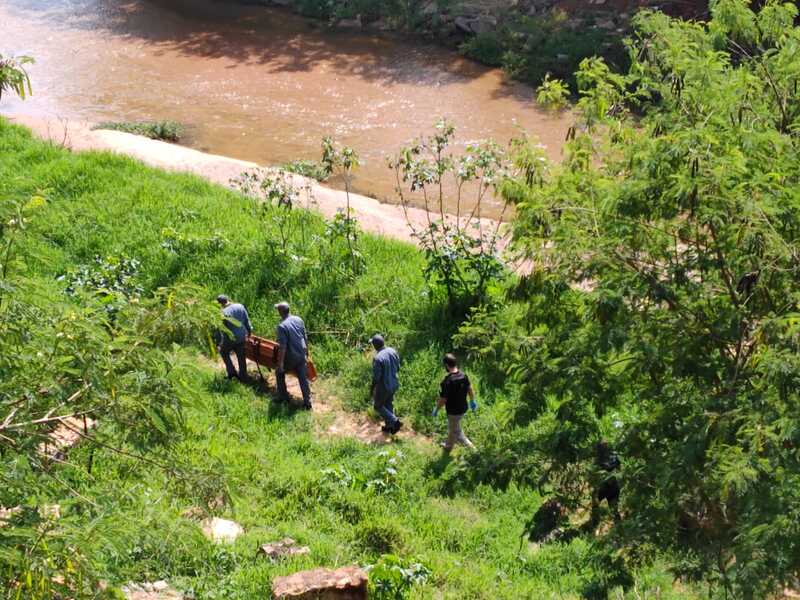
{"x": 373, "y": 216}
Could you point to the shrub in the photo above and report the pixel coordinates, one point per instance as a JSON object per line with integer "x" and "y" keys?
{"x": 307, "y": 168}
{"x": 168, "y": 131}
{"x": 486, "y": 47}
{"x": 461, "y": 251}
{"x": 379, "y": 536}
{"x": 13, "y": 76}
{"x": 391, "y": 578}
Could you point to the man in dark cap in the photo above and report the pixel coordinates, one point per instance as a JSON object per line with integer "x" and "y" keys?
{"x": 385, "y": 367}
{"x": 293, "y": 353}
{"x": 237, "y": 323}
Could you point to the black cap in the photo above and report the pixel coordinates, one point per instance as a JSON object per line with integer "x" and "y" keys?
{"x": 222, "y": 299}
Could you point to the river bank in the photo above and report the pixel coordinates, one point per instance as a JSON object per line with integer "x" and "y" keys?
{"x": 373, "y": 216}
{"x": 527, "y": 38}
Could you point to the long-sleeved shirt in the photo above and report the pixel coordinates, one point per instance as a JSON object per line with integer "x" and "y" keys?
{"x": 385, "y": 367}
{"x": 237, "y": 321}
{"x": 292, "y": 337}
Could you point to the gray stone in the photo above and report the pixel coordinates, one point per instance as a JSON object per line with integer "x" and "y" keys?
{"x": 463, "y": 24}
{"x": 483, "y": 24}
{"x": 286, "y": 547}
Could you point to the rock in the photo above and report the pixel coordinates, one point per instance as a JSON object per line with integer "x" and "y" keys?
{"x": 66, "y": 434}
{"x": 286, "y": 547}
{"x": 476, "y": 25}
{"x": 483, "y": 24}
{"x": 221, "y": 530}
{"x": 463, "y": 24}
{"x": 350, "y": 23}
{"x": 158, "y": 590}
{"x": 348, "y": 583}
{"x": 379, "y": 25}
{"x": 195, "y": 513}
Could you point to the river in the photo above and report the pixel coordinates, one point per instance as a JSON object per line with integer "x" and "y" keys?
{"x": 258, "y": 83}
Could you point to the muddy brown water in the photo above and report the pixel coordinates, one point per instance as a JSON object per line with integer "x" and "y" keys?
{"x": 259, "y": 84}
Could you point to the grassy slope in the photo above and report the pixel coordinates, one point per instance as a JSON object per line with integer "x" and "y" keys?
{"x": 269, "y": 458}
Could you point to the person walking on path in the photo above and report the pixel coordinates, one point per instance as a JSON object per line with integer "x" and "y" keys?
{"x": 453, "y": 396}
{"x": 237, "y": 322}
{"x": 385, "y": 367}
{"x": 293, "y": 354}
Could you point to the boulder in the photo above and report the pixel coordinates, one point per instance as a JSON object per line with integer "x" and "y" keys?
{"x": 350, "y": 23}
{"x": 476, "y": 25}
{"x": 286, "y": 547}
{"x": 463, "y": 24}
{"x": 483, "y": 24}
{"x": 348, "y": 583}
{"x": 221, "y": 530}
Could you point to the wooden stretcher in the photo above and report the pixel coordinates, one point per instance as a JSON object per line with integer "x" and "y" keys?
{"x": 264, "y": 352}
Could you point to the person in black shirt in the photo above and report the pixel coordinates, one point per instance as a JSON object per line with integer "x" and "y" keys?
{"x": 453, "y": 396}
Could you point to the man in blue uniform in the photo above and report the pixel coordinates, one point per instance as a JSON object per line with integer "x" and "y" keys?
{"x": 237, "y": 323}
{"x": 293, "y": 353}
{"x": 385, "y": 367}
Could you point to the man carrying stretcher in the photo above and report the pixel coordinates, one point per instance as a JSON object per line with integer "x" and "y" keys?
{"x": 293, "y": 354}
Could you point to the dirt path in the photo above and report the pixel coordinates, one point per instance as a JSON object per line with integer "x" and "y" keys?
{"x": 373, "y": 216}
{"x": 330, "y": 417}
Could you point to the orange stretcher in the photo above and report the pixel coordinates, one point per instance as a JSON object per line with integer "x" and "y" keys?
{"x": 264, "y": 352}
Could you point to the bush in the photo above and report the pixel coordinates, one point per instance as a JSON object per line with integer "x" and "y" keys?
{"x": 168, "y": 131}
{"x": 486, "y": 47}
{"x": 307, "y": 168}
{"x": 391, "y": 578}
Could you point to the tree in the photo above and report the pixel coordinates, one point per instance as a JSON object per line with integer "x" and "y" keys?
{"x": 14, "y": 77}
{"x": 462, "y": 250}
{"x": 343, "y": 161}
{"x": 662, "y": 313}
{"x": 63, "y": 362}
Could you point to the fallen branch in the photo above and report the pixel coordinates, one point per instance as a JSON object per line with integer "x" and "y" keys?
{"x": 48, "y": 418}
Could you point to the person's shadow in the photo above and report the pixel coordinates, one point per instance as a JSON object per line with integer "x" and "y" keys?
{"x": 436, "y": 467}
{"x": 261, "y": 388}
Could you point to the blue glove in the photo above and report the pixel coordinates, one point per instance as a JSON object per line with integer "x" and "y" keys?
{"x": 435, "y": 411}
{"x": 473, "y": 405}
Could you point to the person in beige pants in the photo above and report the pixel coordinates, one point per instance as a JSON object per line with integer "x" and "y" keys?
{"x": 453, "y": 395}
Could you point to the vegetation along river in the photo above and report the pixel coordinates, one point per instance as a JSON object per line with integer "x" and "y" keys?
{"x": 259, "y": 84}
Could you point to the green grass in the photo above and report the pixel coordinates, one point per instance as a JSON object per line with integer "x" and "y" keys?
{"x": 168, "y": 131}
{"x": 278, "y": 476}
